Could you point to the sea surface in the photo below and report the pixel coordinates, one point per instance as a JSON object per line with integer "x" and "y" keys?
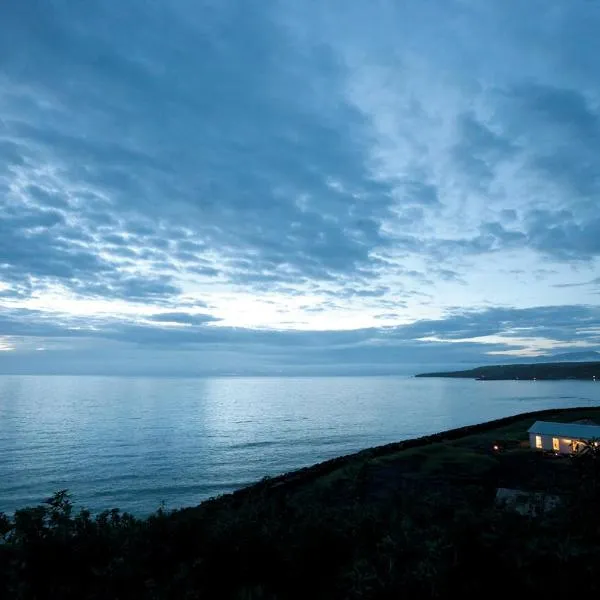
{"x": 133, "y": 443}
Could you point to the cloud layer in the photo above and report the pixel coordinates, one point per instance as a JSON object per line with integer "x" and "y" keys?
{"x": 291, "y": 186}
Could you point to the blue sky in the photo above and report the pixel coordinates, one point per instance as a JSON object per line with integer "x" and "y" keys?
{"x": 297, "y": 187}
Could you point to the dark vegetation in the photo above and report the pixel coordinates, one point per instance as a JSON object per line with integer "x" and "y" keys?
{"x": 576, "y": 370}
{"x": 413, "y": 518}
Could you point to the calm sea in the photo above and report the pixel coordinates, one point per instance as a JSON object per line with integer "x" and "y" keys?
{"x": 135, "y": 442}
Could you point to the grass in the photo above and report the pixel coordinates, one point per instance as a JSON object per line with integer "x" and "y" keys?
{"x": 463, "y": 452}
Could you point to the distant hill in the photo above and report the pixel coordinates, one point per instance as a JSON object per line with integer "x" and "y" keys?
{"x": 542, "y": 371}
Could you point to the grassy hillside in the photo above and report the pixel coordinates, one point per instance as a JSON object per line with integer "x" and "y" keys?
{"x": 577, "y": 370}
{"x": 415, "y": 517}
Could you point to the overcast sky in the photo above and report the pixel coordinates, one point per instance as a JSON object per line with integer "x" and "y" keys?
{"x": 263, "y": 186}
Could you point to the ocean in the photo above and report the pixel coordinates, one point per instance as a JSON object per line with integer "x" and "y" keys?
{"x": 135, "y": 443}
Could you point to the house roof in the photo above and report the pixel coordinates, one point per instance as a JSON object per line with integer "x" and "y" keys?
{"x": 568, "y": 430}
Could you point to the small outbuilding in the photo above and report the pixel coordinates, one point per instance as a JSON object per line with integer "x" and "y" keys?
{"x": 562, "y": 438}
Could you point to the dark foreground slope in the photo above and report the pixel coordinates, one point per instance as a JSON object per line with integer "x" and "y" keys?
{"x": 551, "y": 371}
{"x": 412, "y": 518}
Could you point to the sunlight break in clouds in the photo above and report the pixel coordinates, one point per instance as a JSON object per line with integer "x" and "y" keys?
{"x": 5, "y": 345}
{"x": 299, "y": 187}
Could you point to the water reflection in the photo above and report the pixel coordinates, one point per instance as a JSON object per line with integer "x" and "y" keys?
{"x": 134, "y": 442}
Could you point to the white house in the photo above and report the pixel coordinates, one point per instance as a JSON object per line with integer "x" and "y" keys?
{"x": 563, "y": 438}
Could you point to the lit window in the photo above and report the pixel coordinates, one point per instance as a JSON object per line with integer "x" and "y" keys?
{"x": 538, "y": 441}
{"x": 555, "y": 444}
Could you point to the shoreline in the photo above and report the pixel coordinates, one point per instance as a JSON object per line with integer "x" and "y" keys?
{"x": 575, "y": 371}
{"x": 291, "y": 480}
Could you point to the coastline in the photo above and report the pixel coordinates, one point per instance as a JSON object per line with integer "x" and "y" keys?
{"x": 429, "y": 513}
{"x": 580, "y": 371}
{"x": 292, "y": 480}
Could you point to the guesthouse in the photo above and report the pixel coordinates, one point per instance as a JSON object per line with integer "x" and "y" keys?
{"x": 562, "y": 438}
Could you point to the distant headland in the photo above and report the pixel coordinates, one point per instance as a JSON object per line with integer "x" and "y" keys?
{"x": 533, "y": 371}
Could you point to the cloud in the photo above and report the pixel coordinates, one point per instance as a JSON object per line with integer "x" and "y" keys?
{"x": 562, "y": 235}
{"x": 559, "y": 322}
{"x": 593, "y": 282}
{"x": 473, "y": 336}
{"x": 183, "y": 318}
{"x": 479, "y": 150}
{"x": 227, "y": 177}
{"x": 256, "y": 178}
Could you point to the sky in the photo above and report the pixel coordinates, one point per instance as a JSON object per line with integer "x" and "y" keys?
{"x": 297, "y": 187}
